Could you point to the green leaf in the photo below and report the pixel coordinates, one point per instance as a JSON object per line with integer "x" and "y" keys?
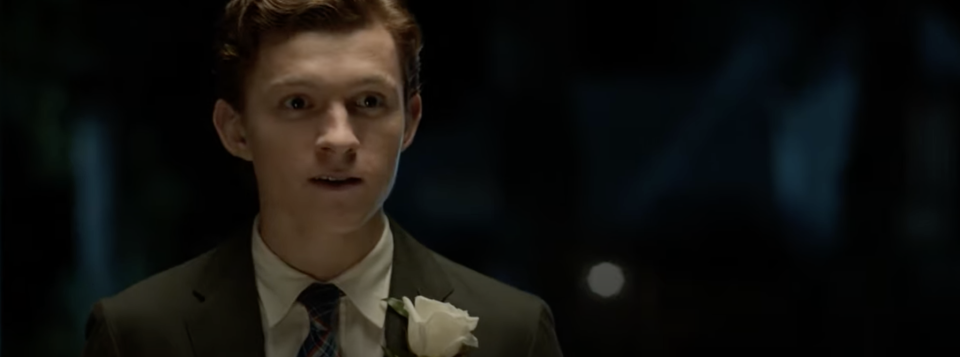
{"x": 397, "y": 305}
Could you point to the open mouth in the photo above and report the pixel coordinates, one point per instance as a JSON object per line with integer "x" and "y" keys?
{"x": 335, "y": 183}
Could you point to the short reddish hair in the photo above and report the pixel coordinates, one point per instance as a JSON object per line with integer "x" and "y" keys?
{"x": 245, "y": 22}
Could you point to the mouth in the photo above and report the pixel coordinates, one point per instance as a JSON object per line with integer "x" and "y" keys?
{"x": 332, "y": 182}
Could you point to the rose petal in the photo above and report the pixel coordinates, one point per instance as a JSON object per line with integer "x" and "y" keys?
{"x": 438, "y": 329}
{"x": 416, "y": 335}
{"x": 471, "y": 341}
{"x": 469, "y": 323}
{"x": 443, "y": 330}
{"x": 414, "y": 315}
{"x": 417, "y": 338}
{"x": 472, "y": 322}
{"x": 427, "y": 307}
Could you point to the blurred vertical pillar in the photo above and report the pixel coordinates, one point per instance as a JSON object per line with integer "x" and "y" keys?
{"x": 93, "y": 179}
{"x": 809, "y": 142}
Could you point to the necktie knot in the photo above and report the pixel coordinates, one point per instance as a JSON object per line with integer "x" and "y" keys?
{"x": 320, "y": 297}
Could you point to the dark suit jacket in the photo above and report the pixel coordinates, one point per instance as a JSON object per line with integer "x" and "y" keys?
{"x": 208, "y": 307}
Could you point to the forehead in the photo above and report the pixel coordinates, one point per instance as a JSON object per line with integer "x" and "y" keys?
{"x": 327, "y": 57}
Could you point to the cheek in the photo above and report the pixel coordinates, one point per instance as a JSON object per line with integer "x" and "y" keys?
{"x": 382, "y": 145}
{"x": 279, "y": 147}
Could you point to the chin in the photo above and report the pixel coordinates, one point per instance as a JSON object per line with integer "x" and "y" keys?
{"x": 344, "y": 221}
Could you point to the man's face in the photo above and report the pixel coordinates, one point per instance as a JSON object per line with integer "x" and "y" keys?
{"x": 324, "y": 124}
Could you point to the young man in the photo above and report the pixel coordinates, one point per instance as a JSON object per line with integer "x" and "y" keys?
{"x": 321, "y": 96}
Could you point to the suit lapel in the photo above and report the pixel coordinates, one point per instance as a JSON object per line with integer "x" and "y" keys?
{"x": 227, "y": 322}
{"x": 415, "y": 272}
{"x": 227, "y": 317}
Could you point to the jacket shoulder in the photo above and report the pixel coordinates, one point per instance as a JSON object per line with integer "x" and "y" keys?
{"x": 513, "y": 322}
{"x": 155, "y": 304}
{"x": 164, "y": 289}
{"x": 483, "y": 287}
{"x": 495, "y": 298}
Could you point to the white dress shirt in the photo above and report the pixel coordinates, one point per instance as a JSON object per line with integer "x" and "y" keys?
{"x": 362, "y": 309}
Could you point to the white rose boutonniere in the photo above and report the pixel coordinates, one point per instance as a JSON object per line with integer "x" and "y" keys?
{"x": 435, "y": 328}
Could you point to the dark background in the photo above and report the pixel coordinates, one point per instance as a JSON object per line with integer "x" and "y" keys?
{"x": 773, "y": 177}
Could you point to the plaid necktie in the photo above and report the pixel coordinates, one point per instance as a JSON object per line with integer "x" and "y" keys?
{"x": 322, "y": 302}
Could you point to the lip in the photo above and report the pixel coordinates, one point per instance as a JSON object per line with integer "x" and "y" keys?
{"x": 334, "y": 176}
{"x": 340, "y": 182}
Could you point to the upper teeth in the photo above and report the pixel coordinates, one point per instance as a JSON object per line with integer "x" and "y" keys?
{"x": 328, "y": 178}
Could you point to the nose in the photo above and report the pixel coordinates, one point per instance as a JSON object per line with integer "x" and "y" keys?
{"x": 336, "y": 134}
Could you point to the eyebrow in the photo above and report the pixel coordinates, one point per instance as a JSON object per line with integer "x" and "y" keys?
{"x": 301, "y": 81}
{"x": 376, "y": 79}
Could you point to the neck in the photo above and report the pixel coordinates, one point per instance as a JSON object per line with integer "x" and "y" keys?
{"x": 309, "y": 248}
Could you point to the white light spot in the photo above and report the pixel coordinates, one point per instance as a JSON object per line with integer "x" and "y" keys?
{"x": 605, "y": 279}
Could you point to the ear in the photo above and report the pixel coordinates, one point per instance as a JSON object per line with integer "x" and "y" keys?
{"x": 230, "y": 128}
{"x": 414, "y": 112}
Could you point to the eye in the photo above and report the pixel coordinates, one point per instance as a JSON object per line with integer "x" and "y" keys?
{"x": 369, "y": 101}
{"x": 295, "y": 103}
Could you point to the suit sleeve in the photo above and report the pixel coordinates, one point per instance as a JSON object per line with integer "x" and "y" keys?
{"x": 545, "y": 342}
{"x": 99, "y": 335}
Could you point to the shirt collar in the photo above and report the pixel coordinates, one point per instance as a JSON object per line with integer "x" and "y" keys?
{"x": 365, "y": 285}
